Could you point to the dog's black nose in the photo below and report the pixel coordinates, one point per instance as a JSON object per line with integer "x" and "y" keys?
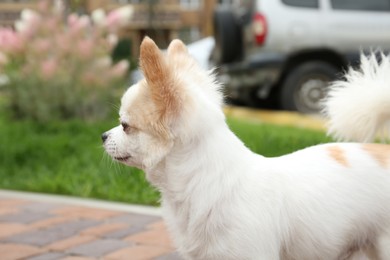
{"x": 104, "y": 137}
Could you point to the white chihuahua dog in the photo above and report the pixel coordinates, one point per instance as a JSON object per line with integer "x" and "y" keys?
{"x": 222, "y": 201}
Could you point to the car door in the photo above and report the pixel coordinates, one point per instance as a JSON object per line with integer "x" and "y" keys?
{"x": 295, "y": 25}
{"x": 354, "y": 25}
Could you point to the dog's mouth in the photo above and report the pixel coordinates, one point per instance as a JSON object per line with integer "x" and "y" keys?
{"x": 122, "y": 159}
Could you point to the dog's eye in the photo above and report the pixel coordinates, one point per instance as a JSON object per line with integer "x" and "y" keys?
{"x": 125, "y": 126}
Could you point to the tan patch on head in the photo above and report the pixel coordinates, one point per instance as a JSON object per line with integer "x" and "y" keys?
{"x": 338, "y": 154}
{"x": 164, "y": 87}
{"x": 179, "y": 58}
{"x": 145, "y": 114}
{"x": 177, "y": 47}
{"x": 379, "y": 152}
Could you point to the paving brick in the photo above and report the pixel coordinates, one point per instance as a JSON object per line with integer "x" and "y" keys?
{"x": 50, "y": 235}
{"x": 10, "y": 203}
{"x": 98, "y": 248}
{"x": 135, "y": 219}
{"x": 151, "y": 237}
{"x": 124, "y": 232}
{"x": 45, "y": 231}
{"x": 85, "y": 212}
{"x": 77, "y": 258}
{"x": 171, "y": 256}
{"x": 23, "y": 217}
{"x": 48, "y": 256}
{"x": 8, "y": 211}
{"x": 158, "y": 225}
{"x": 17, "y": 251}
{"x": 38, "y": 207}
{"x": 77, "y": 225}
{"x": 46, "y": 223}
{"x": 9, "y": 229}
{"x": 70, "y": 242}
{"x": 103, "y": 229}
{"x": 140, "y": 252}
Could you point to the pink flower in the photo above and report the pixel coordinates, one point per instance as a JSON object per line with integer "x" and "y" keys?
{"x": 48, "y": 68}
{"x": 113, "y": 19}
{"x": 72, "y": 20}
{"x": 52, "y": 25}
{"x": 84, "y": 48}
{"x": 119, "y": 17}
{"x": 41, "y": 45}
{"x": 63, "y": 42}
{"x": 119, "y": 69}
{"x": 78, "y": 24}
{"x": 6, "y": 36}
{"x": 10, "y": 41}
{"x": 91, "y": 79}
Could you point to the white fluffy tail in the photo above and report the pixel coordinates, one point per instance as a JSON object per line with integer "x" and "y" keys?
{"x": 358, "y": 107}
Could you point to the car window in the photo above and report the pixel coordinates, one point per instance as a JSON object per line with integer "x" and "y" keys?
{"x": 302, "y": 3}
{"x": 362, "y": 5}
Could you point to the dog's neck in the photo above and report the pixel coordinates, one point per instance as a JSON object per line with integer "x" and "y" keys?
{"x": 196, "y": 177}
{"x": 201, "y": 164}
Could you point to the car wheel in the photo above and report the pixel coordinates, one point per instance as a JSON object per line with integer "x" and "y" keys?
{"x": 306, "y": 85}
{"x": 228, "y": 38}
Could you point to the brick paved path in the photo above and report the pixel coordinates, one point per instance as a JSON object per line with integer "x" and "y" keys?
{"x": 41, "y": 230}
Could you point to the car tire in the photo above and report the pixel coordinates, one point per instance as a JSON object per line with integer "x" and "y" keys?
{"x": 305, "y": 86}
{"x": 228, "y": 37}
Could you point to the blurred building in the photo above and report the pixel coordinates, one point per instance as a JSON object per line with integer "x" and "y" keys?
{"x": 163, "y": 20}
{"x": 10, "y": 10}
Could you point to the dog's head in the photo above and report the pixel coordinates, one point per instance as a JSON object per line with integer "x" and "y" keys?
{"x": 176, "y": 104}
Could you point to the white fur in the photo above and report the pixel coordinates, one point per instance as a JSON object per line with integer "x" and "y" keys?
{"x": 222, "y": 201}
{"x": 359, "y": 106}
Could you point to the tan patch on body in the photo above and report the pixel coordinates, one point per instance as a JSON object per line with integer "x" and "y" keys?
{"x": 338, "y": 154}
{"x": 379, "y": 152}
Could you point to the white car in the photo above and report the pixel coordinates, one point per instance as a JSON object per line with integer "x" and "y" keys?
{"x": 286, "y": 51}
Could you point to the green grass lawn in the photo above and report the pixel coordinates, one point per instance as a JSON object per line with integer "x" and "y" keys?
{"x": 67, "y": 157}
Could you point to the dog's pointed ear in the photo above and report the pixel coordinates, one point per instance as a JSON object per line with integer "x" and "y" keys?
{"x": 160, "y": 78}
{"x": 176, "y": 47}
